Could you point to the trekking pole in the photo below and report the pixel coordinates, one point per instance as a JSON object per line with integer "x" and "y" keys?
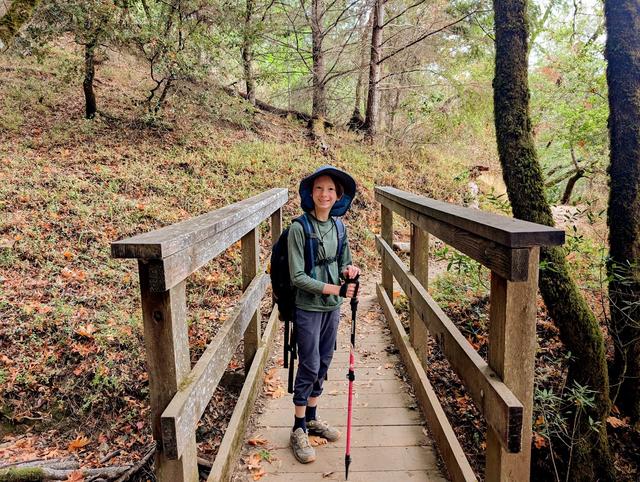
{"x": 351, "y": 375}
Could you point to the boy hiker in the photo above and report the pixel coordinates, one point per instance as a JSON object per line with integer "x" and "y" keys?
{"x": 325, "y": 195}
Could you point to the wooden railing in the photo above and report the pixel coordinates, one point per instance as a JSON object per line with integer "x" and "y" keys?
{"x": 179, "y": 394}
{"x": 502, "y": 389}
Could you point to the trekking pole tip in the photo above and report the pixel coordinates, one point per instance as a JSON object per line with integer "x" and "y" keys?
{"x": 347, "y": 462}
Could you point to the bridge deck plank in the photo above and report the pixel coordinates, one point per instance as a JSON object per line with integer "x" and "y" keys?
{"x": 389, "y": 442}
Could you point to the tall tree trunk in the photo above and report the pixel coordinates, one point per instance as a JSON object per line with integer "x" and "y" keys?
{"x": 87, "y": 84}
{"x": 373, "y": 97}
{"x": 17, "y": 14}
{"x": 623, "y": 77}
{"x": 357, "y": 121}
{"x": 247, "y": 53}
{"x": 393, "y": 109}
{"x": 319, "y": 109}
{"x": 522, "y": 174}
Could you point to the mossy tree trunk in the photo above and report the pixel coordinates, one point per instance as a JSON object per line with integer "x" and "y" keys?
{"x": 375, "y": 66}
{"x": 247, "y": 53}
{"x": 319, "y": 108}
{"x": 522, "y": 174}
{"x": 623, "y": 78}
{"x": 18, "y": 13}
{"x": 87, "y": 84}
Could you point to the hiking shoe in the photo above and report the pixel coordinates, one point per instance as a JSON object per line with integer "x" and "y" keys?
{"x": 302, "y": 449}
{"x": 323, "y": 429}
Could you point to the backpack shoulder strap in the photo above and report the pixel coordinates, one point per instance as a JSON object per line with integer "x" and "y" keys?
{"x": 342, "y": 237}
{"x": 310, "y": 244}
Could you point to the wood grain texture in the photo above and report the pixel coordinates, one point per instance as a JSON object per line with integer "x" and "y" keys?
{"x": 386, "y": 231}
{"x": 512, "y": 348}
{"x": 510, "y": 232}
{"x": 179, "y": 265}
{"x": 446, "y": 440}
{"x": 181, "y": 416}
{"x": 167, "y": 348}
{"x": 250, "y": 246}
{"x": 169, "y": 240}
{"x": 500, "y": 407}
{"x": 232, "y": 441}
{"x": 419, "y": 264}
{"x": 511, "y": 263}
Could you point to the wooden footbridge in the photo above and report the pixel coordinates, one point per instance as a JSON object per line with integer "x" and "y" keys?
{"x": 390, "y": 442}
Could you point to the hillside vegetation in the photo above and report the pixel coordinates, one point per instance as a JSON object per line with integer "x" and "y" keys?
{"x": 71, "y": 350}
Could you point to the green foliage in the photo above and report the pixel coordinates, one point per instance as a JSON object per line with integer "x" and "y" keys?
{"x": 569, "y": 96}
{"x": 556, "y": 419}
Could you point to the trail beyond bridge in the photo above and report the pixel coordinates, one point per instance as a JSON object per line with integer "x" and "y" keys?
{"x": 389, "y": 442}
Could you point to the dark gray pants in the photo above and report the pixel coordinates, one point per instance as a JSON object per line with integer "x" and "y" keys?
{"x": 316, "y": 337}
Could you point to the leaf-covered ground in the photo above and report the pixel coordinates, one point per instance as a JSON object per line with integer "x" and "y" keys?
{"x": 72, "y": 369}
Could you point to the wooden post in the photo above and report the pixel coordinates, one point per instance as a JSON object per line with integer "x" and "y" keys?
{"x": 167, "y": 345}
{"x": 250, "y": 261}
{"x": 512, "y": 346}
{"x": 276, "y": 226}
{"x": 386, "y": 231}
{"x": 419, "y": 265}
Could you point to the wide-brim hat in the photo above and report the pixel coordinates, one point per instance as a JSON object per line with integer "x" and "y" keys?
{"x": 342, "y": 205}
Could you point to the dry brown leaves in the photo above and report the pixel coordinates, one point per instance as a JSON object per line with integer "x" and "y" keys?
{"x": 615, "y": 422}
{"x": 79, "y": 443}
{"x": 273, "y": 385}
{"x": 254, "y": 464}
{"x": 315, "y": 441}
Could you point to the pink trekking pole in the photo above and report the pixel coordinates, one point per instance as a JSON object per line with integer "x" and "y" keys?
{"x": 351, "y": 375}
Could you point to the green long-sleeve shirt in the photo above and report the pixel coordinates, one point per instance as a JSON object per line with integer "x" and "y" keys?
{"x": 309, "y": 295}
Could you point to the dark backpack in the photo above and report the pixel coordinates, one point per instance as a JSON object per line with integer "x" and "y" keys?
{"x": 284, "y": 293}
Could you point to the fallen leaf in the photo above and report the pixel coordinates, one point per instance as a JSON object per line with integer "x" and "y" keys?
{"x": 257, "y": 441}
{"x": 615, "y": 422}
{"x": 78, "y": 443}
{"x": 258, "y": 475}
{"x": 254, "y": 461}
{"x": 539, "y": 441}
{"x": 86, "y": 331}
{"x": 67, "y": 255}
{"x": 315, "y": 441}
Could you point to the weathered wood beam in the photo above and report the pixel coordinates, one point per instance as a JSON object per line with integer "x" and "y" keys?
{"x": 500, "y": 407}
{"x": 164, "y": 242}
{"x": 419, "y": 264}
{"x": 250, "y": 246}
{"x": 178, "y": 266}
{"x": 511, "y": 263}
{"x": 445, "y": 438}
{"x": 386, "y": 229}
{"x": 504, "y": 230}
{"x": 167, "y": 348}
{"x": 231, "y": 444}
{"x": 180, "y": 418}
{"x": 512, "y": 352}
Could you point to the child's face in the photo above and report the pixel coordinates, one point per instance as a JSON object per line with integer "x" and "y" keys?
{"x": 324, "y": 193}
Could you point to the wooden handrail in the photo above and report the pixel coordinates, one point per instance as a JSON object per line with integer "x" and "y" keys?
{"x": 164, "y": 242}
{"x": 509, "y": 232}
{"x": 500, "y": 407}
{"x": 502, "y": 388}
{"x": 180, "y": 418}
{"x": 178, "y": 394}
{"x": 501, "y": 244}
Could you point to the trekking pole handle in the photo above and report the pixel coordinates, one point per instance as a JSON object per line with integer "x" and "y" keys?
{"x": 350, "y": 281}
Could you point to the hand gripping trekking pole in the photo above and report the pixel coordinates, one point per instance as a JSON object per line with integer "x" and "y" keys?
{"x": 351, "y": 375}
